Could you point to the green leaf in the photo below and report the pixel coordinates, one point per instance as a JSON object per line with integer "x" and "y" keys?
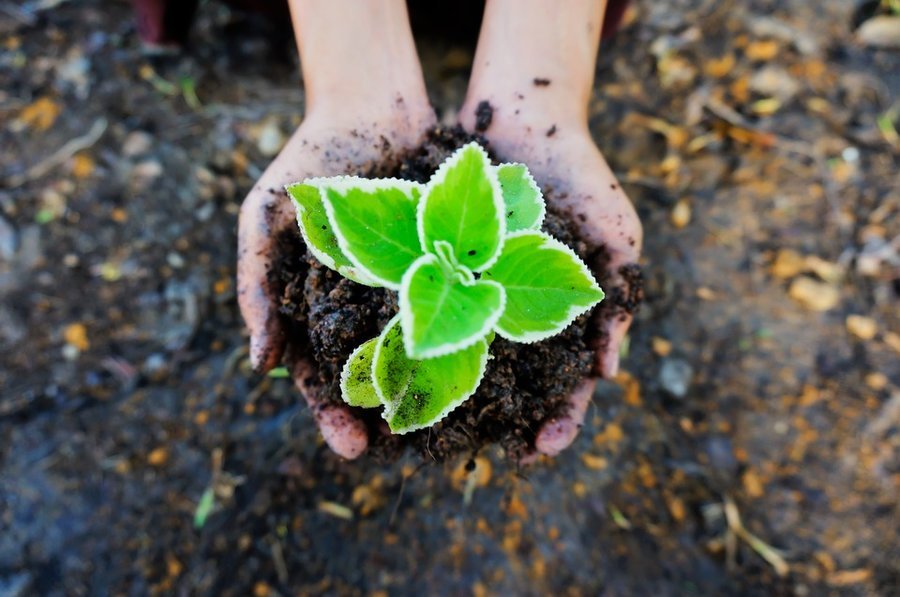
{"x": 279, "y": 372}
{"x": 204, "y": 507}
{"x": 463, "y": 205}
{"x": 522, "y": 198}
{"x": 445, "y": 310}
{"x": 375, "y": 224}
{"x": 318, "y": 233}
{"x": 418, "y": 394}
{"x": 547, "y": 286}
{"x": 356, "y": 377}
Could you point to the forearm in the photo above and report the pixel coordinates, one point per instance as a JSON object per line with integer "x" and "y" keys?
{"x": 357, "y": 53}
{"x": 538, "y": 56}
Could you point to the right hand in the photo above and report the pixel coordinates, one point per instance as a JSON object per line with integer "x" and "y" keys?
{"x": 321, "y": 146}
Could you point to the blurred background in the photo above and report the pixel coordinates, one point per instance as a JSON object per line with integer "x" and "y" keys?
{"x": 751, "y": 444}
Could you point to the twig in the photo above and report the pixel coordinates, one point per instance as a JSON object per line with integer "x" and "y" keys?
{"x": 70, "y": 148}
{"x": 771, "y": 555}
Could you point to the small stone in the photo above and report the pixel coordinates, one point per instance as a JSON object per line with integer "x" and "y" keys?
{"x": 877, "y": 380}
{"x": 814, "y": 295}
{"x": 175, "y": 260}
{"x": 145, "y": 173}
{"x": 681, "y": 214}
{"x": 774, "y": 81}
{"x": 9, "y": 239}
{"x": 828, "y": 271}
{"x": 788, "y": 263}
{"x": 137, "y": 143}
{"x": 69, "y": 352}
{"x": 880, "y": 32}
{"x": 675, "y": 377}
{"x": 661, "y": 346}
{"x": 269, "y": 138}
{"x": 861, "y": 326}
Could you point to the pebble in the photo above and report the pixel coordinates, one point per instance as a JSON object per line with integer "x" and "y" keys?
{"x": 9, "y": 239}
{"x": 675, "y": 377}
{"x": 814, "y": 295}
{"x": 788, "y": 263}
{"x": 270, "y": 139}
{"x": 861, "y": 326}
{"x": 880, "y": 32}
{"x": 661, "y": 346}
{"x": 137, "y": 143}
{"x": 774, "y": 81}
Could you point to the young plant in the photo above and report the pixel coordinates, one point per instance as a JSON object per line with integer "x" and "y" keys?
{"x": 467, "y": 257}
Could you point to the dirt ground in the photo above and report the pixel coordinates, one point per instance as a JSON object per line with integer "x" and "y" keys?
{"x": 752, "y": 445}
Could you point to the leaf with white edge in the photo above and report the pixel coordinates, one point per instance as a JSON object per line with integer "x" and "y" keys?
{"x": 374, "y": 223}
{"x": 318, "y": 233}
{"x": 418, "y": 394}
{"x": 446, "y": 310}
{"x": 356, "y": 377}
{"x": 522, "y": 197}
{"x": 547, "y": 286}
{"x": 463, "y": 205}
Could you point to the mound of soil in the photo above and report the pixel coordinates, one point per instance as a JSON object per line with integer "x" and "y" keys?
{"x": 524, "y": 385}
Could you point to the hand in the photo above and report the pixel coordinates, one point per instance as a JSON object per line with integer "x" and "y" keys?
{"x": 584, "y": 188}
{"x": 365, "y": 104}
{"x": 322, "y": 146}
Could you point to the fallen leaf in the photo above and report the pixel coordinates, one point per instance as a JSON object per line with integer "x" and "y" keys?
{"x": 661, "y": 346}
{"x": 719, "y": 67}
{"x": 876, "y": 380}
{"x": 762, "y": 51}
{"x": 39, "y": 115}
{"x": 158, "y": 456}
{"x": 788, "y": 263}
{"x": 861, "y": 326}
{"x": 76, "y": 335}
{"x": 82, "y": 166}
{"x": 814, "y": 295}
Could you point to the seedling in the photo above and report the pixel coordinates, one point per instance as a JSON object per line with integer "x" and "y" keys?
{"x": 467, "y": 257}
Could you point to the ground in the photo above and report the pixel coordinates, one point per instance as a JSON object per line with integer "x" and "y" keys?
{"x": 750, "y": 446}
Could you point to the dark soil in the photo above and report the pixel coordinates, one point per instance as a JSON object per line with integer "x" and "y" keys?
{"x": 524, "y": 385}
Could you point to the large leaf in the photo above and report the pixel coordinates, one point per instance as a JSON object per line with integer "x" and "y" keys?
{"x": 418, "y": 394}
{"x": 356, "y": 377}
{"x": 375, "y": 224}
{"x": 547, "y": 286}
{"x": 522, "y": 198}
{"x": 463, "y": 205}
{"x": 446, "y": 309}
{"x": 318, "y": 233}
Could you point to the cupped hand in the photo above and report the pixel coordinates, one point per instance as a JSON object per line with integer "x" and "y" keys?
{"x": 565, "y": 161}
{"x": 324, "y": 145}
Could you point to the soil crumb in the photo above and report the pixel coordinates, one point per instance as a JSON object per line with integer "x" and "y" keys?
{"x": 541, "y": 82}
{"x": 524, "y": 385}
{"x": 484, "y": 114}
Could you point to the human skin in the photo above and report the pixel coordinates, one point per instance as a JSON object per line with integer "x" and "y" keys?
{"x": 363, "y": 80}
{"x": 363, "y": 86}
{"x": 535, "y": 66}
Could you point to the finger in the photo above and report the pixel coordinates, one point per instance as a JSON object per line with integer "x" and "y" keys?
{"x": 558, "y": 434}
{"x": 265, "y": 212}
{"x": 343, "y": 432}
{"x": 614, "y": 330}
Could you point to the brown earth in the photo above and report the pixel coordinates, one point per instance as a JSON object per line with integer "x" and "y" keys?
{"x": 760, "y": 406}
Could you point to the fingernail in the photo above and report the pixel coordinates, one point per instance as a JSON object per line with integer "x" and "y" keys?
{"x": 345, "y": 434}
{"x": 556, "y": 436}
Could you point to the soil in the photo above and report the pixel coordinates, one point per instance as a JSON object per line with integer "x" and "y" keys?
{"x": 524, "y": 384}
{"x": 761, "y": 377}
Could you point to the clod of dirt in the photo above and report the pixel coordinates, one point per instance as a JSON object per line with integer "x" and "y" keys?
{"x": 524, "y": 385}
{"x": 484, "y": 113}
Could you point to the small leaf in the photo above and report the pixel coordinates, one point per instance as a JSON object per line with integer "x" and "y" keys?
{"x": 463, "y": 205}
{"x": 356, "y": 377}
{"x": 418, "y": 394}
{"x": 375, "y": 224}
{"x": 522, "y": 198}
{"x": 547, "y": 286}
{"x": 279, "y": 372}
{"x": 444, "y": 310}
{"x": 204, "y": 507}
{"x": 318, "y": 234}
